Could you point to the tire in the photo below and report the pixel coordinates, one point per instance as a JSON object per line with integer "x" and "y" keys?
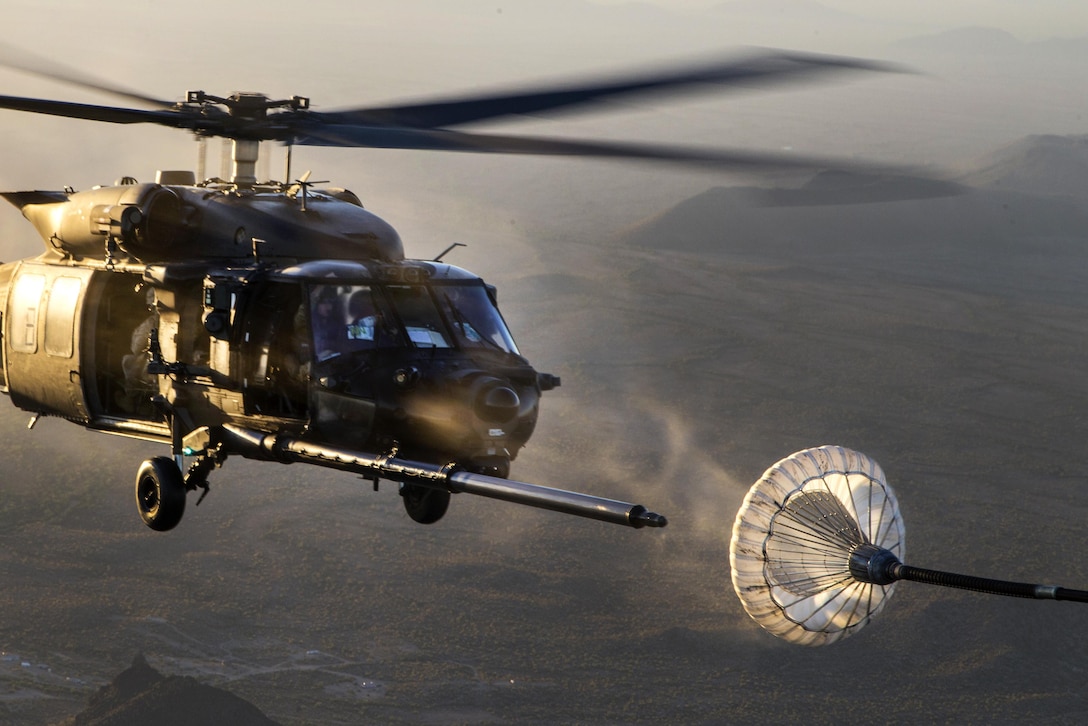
{"x": 160, "y": 493}
{"x": 424, "y": 504}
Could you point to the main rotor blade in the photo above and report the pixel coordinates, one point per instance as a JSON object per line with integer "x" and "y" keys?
{"x": 92, "y": 112}
{"x": 28, "y": 62}
{"x": 765, "y": 68}
{"x": 447, "y": 140}
{"x": 423, "y": 126}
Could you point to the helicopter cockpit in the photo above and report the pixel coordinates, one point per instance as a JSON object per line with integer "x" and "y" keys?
{"x": 457, "y": 314}
{"x": 354, "y": 348}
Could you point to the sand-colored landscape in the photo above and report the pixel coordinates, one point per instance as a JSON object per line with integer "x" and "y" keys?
{"x": 704, "y": 327}
{"x": 688, "y": 368}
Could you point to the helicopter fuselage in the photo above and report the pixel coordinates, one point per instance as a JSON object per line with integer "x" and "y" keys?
{"x": 255, "y": 331}
{"x": 275, "y": 321}
{"x": 156, "y": 312}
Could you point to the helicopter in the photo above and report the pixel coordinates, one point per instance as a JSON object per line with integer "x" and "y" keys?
{"x": 283, "y": 322}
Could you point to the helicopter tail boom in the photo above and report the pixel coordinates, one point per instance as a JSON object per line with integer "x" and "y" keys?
{"x": 449, "y": 478}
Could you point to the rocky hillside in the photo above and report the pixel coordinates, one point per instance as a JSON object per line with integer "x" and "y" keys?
{"x": 141, "y": 695}
{"x": 1040, "y": 164}
{"x": 1011, "y": 219}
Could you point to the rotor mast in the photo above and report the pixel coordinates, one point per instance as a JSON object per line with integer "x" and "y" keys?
{"x": 243, "y": 157}
{"x": 245, "y": 111}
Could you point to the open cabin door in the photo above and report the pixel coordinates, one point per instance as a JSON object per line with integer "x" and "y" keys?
{"x": 121, "y": 314}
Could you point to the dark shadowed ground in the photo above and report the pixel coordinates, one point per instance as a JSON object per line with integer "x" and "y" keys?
{"x": 945, "y": 337}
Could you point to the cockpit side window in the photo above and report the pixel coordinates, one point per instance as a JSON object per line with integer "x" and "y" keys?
{"x": 346, "y": 318}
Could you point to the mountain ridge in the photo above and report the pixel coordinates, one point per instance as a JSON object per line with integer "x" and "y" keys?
{"x": 142, "y": 695}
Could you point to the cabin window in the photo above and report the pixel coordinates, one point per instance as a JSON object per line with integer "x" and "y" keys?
{"x": 60, "y": 316}
{"x": 25, "y": 303}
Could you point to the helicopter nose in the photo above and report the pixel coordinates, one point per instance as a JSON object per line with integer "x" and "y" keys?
{"x": 497, "y": 404}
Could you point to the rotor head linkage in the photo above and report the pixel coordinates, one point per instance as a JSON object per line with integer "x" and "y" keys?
{"x": 243, "y": 109}
{"x": 247, "y": 105}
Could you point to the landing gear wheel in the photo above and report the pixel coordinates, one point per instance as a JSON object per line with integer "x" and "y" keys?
{"x": 424, "y": 504}
{"x": 160, "y": 493}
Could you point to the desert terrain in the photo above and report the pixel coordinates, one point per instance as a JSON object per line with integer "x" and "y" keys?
{"x": 688, "y": 367}
{"x": 704, "y": 327}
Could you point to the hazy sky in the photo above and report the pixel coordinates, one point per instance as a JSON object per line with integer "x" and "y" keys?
{"x": 343, "y": 53}
{"x": 1026, "y": 20}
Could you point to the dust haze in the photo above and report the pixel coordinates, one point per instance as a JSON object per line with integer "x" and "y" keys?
{"x": 704, "y": 326}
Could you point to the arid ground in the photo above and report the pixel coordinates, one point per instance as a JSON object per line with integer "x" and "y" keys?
{"x": 703, "y": 328}
{"x": 945, "y": 337}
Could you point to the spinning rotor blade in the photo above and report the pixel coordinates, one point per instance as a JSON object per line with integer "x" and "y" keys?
{"x": 423, "y": 126}
{"x": 92, "y": 112}
{"x": 816, "y": 549}
{"x": 767, "y": 67}
{"x": 28, "y": 62}
{"x": 447, "y": 140}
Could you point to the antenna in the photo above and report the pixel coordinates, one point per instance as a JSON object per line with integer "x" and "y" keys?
{"x": 444, "y": 252}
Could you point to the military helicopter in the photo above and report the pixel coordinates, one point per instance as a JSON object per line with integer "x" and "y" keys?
{"x": 282, "y": 322}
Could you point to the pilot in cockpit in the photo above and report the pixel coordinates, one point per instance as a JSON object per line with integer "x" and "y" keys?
{"x": 362, "y": 317}
{"x": 327, "y": 320}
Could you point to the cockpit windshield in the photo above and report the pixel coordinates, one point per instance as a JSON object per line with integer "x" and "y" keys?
{"x": 416, "y": 309}
{"x": 346, "y": 318}
{"x": 474, "y": 318}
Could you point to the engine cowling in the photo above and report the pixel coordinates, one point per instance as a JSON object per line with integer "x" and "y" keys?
{"x": 143, "y": 220}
